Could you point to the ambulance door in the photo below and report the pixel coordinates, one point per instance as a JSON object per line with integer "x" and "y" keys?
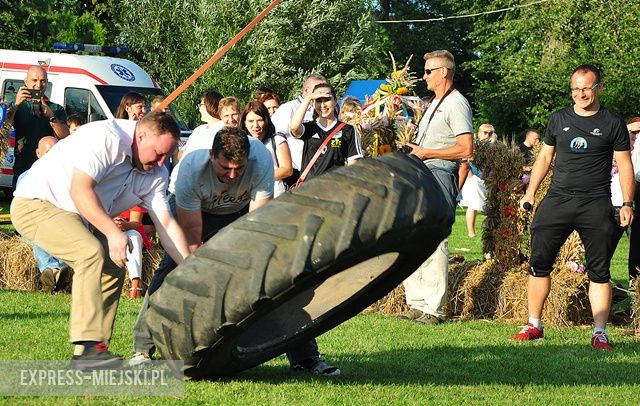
{"x": 82, "y": 102}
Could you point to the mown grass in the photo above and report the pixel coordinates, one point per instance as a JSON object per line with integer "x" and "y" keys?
{"x": 384, "y": 361}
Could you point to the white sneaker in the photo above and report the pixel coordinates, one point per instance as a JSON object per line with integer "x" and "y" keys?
{"x": 140, "y": 359}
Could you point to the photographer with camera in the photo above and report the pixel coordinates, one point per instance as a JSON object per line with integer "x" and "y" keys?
{"x": 33, "y": 116}
{"x": 445, "y": 137}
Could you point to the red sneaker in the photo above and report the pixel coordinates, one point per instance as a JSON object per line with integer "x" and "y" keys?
{"x": 529, "y": 333}
{"x": 600, "y": 341}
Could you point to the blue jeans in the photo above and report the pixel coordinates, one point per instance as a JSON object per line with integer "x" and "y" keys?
{"x": 43, "y": 259}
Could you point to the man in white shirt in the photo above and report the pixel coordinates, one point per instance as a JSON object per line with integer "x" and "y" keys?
{"x": 66, "y": 203}
{"x": 282, "y": 119}
{"x": 633, "y": 126}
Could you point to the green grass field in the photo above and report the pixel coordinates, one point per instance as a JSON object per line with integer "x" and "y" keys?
{"x": 383, "y": 361}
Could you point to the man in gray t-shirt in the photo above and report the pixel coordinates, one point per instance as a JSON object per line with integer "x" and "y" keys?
{"x": 234, "y": 177}
{"x": 213, "y": 188}
{"x": 445, "y": 136}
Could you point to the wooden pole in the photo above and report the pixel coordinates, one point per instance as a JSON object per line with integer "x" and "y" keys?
{"x": 217, "y": 56}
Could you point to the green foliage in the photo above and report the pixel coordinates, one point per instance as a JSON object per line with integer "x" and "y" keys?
{"x": 36, "y": 24}
{"x": 171, "y": 39}
{"x": 405, "y": 39}
{"x": 525, "y": 57}
{"x": 85, "y": 29}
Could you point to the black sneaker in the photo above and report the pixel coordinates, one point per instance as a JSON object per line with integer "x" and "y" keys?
{"x": 96, "y": 357}
{"x": 318, "y": 367}
{"x": 65, "y": 279}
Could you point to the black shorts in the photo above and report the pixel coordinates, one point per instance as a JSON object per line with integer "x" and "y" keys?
{"x": 593, "y": 219}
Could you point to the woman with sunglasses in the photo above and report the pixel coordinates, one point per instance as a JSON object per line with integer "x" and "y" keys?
{"x": 256, "y": 122}
{"x": 344, "y": 147}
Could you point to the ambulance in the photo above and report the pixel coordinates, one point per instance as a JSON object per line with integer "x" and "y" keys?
{"x": 87, "y": 85}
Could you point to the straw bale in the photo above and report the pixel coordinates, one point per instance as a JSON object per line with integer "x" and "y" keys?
{"x": 567, "y": 304}
{"x": 455, "y": 292}
{"x": 480, "y": 290}
{"x": 571, "y": 250}
{"x": 18, "y": 269}
{"x": 393, "y": 303}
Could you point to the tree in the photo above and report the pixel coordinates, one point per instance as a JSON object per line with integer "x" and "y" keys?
{"x": 171, "y": 39}
{"x": 36, "y": 24}
{"x": 525, "y": 58}
{"x": 418, "y": 38}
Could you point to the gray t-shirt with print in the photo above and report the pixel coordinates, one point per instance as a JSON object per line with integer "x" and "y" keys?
{"x": 198, "y": 187}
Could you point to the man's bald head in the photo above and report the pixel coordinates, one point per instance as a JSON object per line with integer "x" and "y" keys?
{"x": 45, "y": 144}
{"x": 36, "y": 78}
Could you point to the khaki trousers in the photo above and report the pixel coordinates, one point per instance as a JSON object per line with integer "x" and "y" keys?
{"x": 97, "y": 281}
{"x": 426, "y": 288}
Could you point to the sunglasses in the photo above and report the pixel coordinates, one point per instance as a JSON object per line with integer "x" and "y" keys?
{"x": 323, "y": 99}
{"x": 429, "y": 71}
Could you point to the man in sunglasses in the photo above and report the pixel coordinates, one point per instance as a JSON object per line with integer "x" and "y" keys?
{"x": 445, "y": 137}
{"x": 584, "y": 138}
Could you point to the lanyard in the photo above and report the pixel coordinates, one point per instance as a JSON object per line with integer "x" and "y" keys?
{"x": 451, "y": 89}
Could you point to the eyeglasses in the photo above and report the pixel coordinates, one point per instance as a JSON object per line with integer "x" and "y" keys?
{"x": 429, "y": 71}
{"x": 586, "y": 90}
{"x": 199, "y": 105}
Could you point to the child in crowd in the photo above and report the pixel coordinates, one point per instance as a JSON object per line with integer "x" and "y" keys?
{"x": 74, "y": 121}
{"x": 350, "y": 109}
{"x": 130, "y": 222}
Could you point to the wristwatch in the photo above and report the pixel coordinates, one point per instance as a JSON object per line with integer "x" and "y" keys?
{"x": 629, "y": 204}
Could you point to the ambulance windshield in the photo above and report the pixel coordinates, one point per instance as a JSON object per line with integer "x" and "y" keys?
{"x": 113, "y": 94}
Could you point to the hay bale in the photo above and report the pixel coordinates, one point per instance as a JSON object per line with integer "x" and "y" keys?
{"x": 480, "y": 290}
{"x": 455, "y": 292}
{"x": 512, "y": 298}
{"x": 393, "y": 303}
{"x": 567, "y": 304}
{"x": 18, "y": 269}
{"x": 571, "y": 250}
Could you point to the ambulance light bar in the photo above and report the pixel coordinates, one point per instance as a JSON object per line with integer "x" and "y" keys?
{"x": 70, "y": 47}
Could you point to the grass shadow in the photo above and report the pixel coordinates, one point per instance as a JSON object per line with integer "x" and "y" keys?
{"x": 513, "y": 365}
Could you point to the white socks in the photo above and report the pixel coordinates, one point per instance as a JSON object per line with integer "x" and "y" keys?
{"x": 599, "y": 330}
{"x": 537, "y": 323}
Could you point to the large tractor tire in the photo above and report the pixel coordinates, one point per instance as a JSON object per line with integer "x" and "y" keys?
{"x": 299, "y": 266}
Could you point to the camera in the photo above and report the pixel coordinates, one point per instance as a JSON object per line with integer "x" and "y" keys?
{"x": 36, "y": 95}
{"x": 406, "y": 148}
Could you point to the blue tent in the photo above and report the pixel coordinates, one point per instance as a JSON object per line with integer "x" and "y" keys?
{"x": 361, "y": 88}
